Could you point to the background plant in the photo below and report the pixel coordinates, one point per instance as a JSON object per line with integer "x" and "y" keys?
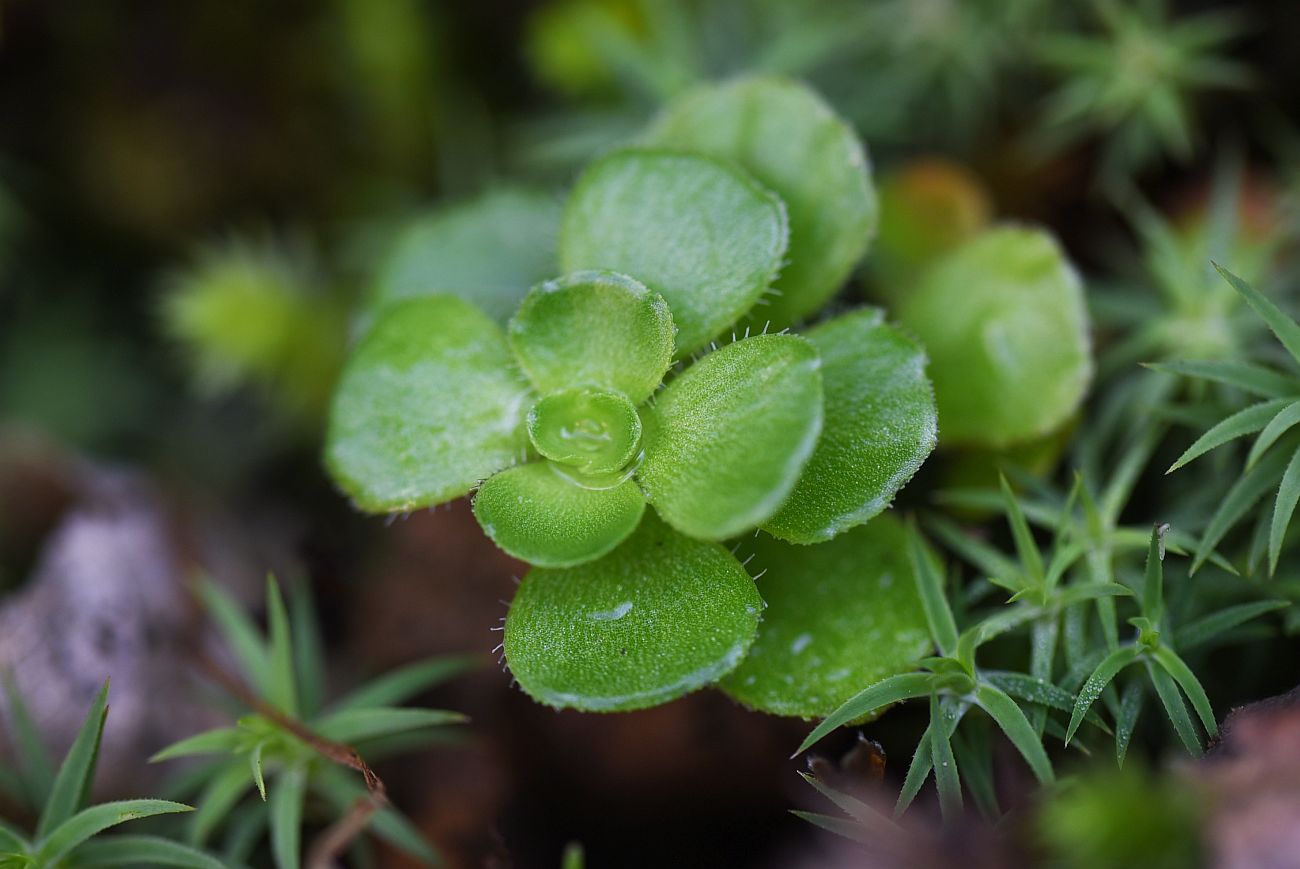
{"x": 292, "y": 745}
{"x": 68, "y": 831}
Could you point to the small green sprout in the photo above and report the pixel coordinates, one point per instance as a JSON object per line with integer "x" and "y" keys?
{"x": 293, "y": 744}
{"x": 953, "y": 685}
{"x": 67, "y": 831}
{"x": 1153, "y": 648}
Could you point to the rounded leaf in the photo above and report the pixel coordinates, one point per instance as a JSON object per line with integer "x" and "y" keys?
{"x": 788, "y": 138}
{"x": 726, "y": 441}
{"x": 594, "y": 329}
{"x": 660, "y": 616}
{"x": 703, "y": 234}
{"x": 538, "y": 514}
{"x": 429, "y": 404}
{"x": 841, "y": 616}
{"x": 880, "y": 425}
{"x": 1002, "y": 318}
{"x": 927, "y": 207}
{"x": 488, "y": 251}
{"x": 594, "y": 431}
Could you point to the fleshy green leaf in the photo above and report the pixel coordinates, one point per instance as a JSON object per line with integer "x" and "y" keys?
{"x": 591, "y": 431}
{"x": 879, "y": 427}
{"x": 1016, "y": 726}
{"x": 77, "y": 773}
{"x": 1241, "y": 423}
{"x": 840, "y": 615}
{"x": 792, "y": 142}
{"x": 1097, "y": 682}
{"x": 727, "y": 440}
{"x": 597, "y": 329}
{"x": 538, "y": 514}
{"x": 88, "y": 822}
{"x": 488, "y": 251}
{"x": 869, "y": 701}
{"x": 660, "y": 616}
{"x": 429, "y": 404}
{"x": 143, "y": 850}
{"x": 354, "y": 725}
{"x": 1003, "y": 320}
{"x": 701, "y": 233}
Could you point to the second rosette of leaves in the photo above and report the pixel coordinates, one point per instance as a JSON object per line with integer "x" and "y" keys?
{"x": 607, "y": 393}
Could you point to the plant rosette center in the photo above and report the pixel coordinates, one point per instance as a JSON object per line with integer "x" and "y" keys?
{"x": 591, "y": 431}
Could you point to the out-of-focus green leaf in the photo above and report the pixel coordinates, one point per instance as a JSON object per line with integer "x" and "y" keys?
{"x": 1003, "y": 320}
